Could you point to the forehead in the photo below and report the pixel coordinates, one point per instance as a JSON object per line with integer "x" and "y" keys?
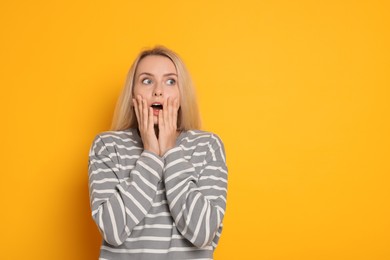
{"x": 156, "y": 64}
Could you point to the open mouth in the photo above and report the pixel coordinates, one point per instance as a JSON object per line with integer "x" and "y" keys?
{"x": 157, "y": 106}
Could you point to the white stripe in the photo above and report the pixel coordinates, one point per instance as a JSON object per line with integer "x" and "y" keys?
{"x": 170, "y": 151}
{"x": 101, "y": 150}
{"x": 161, "y": 214}
{"x": 144, "y": 180}
{"x": 212, "y": 153}
{"x": 219, "y": 168}
{"x": 215, "y": 187}
{"x": 157, "y": 204}
{"x": 115, "y": 155}
{"x": 154, "y": 238}
{"x": 198, "y": 154}
{"x": 148, "y": 238}
{"x": 196, "y": 138}
{"x": 159, "y": 226}
{"x": 123, "y": 147}
{"x": 179, "y": 173}
{"x": 210, "y": 197}
{"x": 105, "y": 159}
{"x": 104, "y": 170}
{"x": 102, "y": 181}
{"x": 149, "y": 169}
{"x": 199, "y": 164}
{"x": 98, "y": 200}
{"x": 141, "y": 192}
{"x": 101, "y": 223}
{"x": 207, "y": 225}
{"x": 128, "y": 167}
{"x": 130, "y": 196}
{"x": 134, "y": 218}
{"x": 180, "y": 184}
{"x": 127, "y": 132}
{"x": 196, "y": 132}
{"x": 220, "y": 210}
{"x": 213, "y": 178}
{"x": 220, "y": 147}
{"x": 127, "y": 230}
{"x": 94, "y": 212}
{"x": 193, "y": 147}
{"x": 103, "y": 191}
{"x": 154, "y": 251}
{"x": 113, "y": 223}
{"x": 122, "y": 206}
{"x": 154, "y": 158}
{"x": 119, "y": 138}
{"x": 173, "y": 203}
{"x": 169, "y": 165}
{"x": 160, "y": 191}
{"x": 219, "y": 218}
{"x": 191, "y": 209}
{"x": 184, "y": 205}
{"x": 200, "y": 220}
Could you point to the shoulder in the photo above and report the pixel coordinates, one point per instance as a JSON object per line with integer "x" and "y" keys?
{"x": 202, "y": 136}
{"x": 203, "y": 140}
{"x": 119, "y": 136}
{"x": 106, "y": 139}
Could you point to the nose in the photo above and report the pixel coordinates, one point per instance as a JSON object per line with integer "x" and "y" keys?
{"x": 157, "y": 91}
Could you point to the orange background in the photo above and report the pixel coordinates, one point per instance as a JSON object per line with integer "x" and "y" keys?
{"x": 297, "y": 90}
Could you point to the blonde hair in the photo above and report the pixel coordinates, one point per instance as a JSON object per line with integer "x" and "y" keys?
{"x": 188, "y": 114}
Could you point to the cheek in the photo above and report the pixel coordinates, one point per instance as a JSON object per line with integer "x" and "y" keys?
{"x": 135, "y": 91}
{"x": 175, "y": 94}
{"x": 139, "y": 91}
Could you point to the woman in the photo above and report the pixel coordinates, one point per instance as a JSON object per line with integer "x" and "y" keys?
{"x": 157, "y": 183}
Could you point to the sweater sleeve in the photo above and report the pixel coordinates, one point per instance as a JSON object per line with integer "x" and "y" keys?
{"x": 197, "y": 198}
{"x": 117, "y": 207}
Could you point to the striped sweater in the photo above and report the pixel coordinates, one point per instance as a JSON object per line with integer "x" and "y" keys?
{"x": 152, "y": 207}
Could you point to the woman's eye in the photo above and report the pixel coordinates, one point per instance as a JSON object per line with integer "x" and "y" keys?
{"x": 146, "y": 81}
{"x": 171, "y": 82}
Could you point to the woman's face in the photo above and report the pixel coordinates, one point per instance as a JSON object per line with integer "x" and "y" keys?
{"x": 155, "y": 80}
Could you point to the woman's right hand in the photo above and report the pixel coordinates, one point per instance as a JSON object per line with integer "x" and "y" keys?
{"x": 144, "y": 116}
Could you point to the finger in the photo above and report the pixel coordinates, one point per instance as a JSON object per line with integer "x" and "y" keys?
{"x": 150, "y": 119}
{"x": 160, "y": 120}
{"x": 145, "y": 113}
{"x": 175, "y": 112}
{"x": 135, "y": 107}
{"x": 139, "y": 111}
{"x": 166, "y": 111}
{"x": 139, "y": 108}
{"x": 172, "y": 112}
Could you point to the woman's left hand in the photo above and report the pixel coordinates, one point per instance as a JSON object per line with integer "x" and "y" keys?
{"x": 167, "y": 124}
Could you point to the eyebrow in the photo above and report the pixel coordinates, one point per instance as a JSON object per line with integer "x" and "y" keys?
{"x": 149, "y": 74}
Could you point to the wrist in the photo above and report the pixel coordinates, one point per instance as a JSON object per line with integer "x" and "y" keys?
{"x": 152, "y": 151}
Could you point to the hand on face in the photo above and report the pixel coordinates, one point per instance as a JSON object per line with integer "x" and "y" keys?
{"x": 144, "y": 114}
{"x": 167, "y": 125}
